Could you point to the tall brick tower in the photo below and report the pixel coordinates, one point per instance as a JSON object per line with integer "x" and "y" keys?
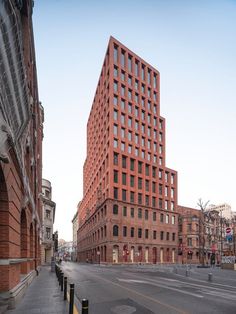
{"x": 129, "y": 195}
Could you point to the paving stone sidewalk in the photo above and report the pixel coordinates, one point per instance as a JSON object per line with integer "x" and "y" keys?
{"x": 42, "y": 296}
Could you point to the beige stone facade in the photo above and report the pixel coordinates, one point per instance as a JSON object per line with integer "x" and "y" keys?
{"x": 48, "y": 216}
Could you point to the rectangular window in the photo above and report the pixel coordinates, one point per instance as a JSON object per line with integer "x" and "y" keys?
{"x": 122, "y": 118}
{"x": 124, "y": 178}
{"x": 140, "y": 199}
{"x": 130, "y": 122}
{"x": 123, "y": 195}
{"x": 130, "y": 136}
{"x": 130, "y": 63}
{"x": 140, "y": 213}
{"x": 124, "y": 211}
{"x": 131, "y": 197}
{"x": 130, "y": 108}
{"x": 136, "y": 68}
{"x": 122, "y": 104}
{"x": 122, "y": 146}
{"x": 123, "y": 90}
{"x": 162, "y": 235}
{"x": 115, "y": 176}
{"x": 130, "y": 149}
{"x": 172, "y": 178}
{"x": 115, "y": 159}
{"x": 140, "y": 183}
{"x": 149, "y": 77}
{"x": 153, "y": 201}
{"x": 124, "y": 162}
{"x": 146, "y": 214}
{"x": 132, "y": 181}
{"x": 132, "y": 164}
{"x": 115, "y": 129}
{"x": 122, "y": 132}
{"x": 167, "y": 236}
{"x": 153, "y": 187}
{"x": 167, "y": 219}
{"x": 48, "y": 233}
{"x": 115, "y": 114}
{"x": 115, "y": 193}
{"x": 132, "y": 232}
{"x": 162, "y": 217}
{"x": 115, "y": 86}
{"x": 172, "y": 192}
{"x": 139, "y": 233}
{"x": 154, "y": 172}
{"x": 115, "y": 143}
{"x": 173, "y": 236}
{"x": 189, "y": 241}
{"x": 132, "y": 212}
{"x": 146, "y": 200}
{"x": 172, "y": 206}
{"x": 166, "y": 205}
{"x": 115, "y": 100}
{"x": 173, "y": 220}
{"x": 140, "y": 165}
{"x": 154, "y": 234}
{"x": 146, "y": 233}
{"x": 154, "y": 216}
{"x": 147, "y": 170}
{"x": 122, "y": 61}
{"x": 143, "y": 72}
{"x": 154, "y": 81}
{"x": 115, "y": 55}
{"x": 124, "y": 231}
{"x": 146, "y": 185}
{"x": 160, "y": 203}
{"x": 115, "y": 71}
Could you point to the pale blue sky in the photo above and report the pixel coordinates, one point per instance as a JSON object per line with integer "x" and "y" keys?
{"x": 191, "y": 43}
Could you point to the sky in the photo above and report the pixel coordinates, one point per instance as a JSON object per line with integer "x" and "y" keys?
{"x": 192, "y": 43}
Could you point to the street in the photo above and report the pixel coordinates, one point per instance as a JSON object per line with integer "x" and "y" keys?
{"x": 147, "y": 289}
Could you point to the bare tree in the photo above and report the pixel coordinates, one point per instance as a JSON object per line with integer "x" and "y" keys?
{"x": 202, "y": 207}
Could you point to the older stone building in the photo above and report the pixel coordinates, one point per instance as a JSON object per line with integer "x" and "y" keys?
{"x": 128, "y": 212}
{"x": 75, "y": 226}
{"x": 21, "y": 133}
{"x": 48, "y": 216}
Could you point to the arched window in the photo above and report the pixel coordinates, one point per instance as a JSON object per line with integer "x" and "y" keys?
{"x": 115, "y": 231}
{"x": 115, "y": 209}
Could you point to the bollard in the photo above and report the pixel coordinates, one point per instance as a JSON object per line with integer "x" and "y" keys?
{"x": 210, "y": 277}
{"x": 59, "y": 278}
{"x": 187, "y": 273}
{"x": 85, "y": 306}
{"x": 65, "y": 288}
{"x": 71, "y": 305}
{"x": 62, "y": 279}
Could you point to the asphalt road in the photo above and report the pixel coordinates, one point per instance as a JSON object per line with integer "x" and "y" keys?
{"x": 153, "y": 289}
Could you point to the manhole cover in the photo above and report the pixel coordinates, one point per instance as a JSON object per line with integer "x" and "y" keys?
{"x": 123, "y": 309}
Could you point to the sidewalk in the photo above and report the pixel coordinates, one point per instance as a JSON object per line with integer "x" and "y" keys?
{"x": 42, "y": 296}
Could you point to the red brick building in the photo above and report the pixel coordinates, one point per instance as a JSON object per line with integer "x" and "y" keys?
{"x": 21, "y": 133}
{"x": 128, "y": 212}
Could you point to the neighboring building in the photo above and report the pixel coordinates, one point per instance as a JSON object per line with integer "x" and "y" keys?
{"x": 49, "y": 207}
{"x": 128, "y": 212}
{"x": 21, "y": 133}
{"x": 224, "y": 210}
{"x": 189, "y": 234}
{"x": 203, "y": 237}
{"x": 75, "y": 230}
{"x": 65, "y": 249}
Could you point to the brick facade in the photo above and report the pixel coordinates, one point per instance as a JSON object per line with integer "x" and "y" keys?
{"x": 21, "y": 133}
{"x": 128, "y": 211}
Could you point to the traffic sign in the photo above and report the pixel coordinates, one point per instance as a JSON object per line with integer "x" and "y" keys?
{"x": 228, "y": 230}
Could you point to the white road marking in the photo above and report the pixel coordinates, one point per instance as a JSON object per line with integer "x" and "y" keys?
{"x": 150, "y": 282}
